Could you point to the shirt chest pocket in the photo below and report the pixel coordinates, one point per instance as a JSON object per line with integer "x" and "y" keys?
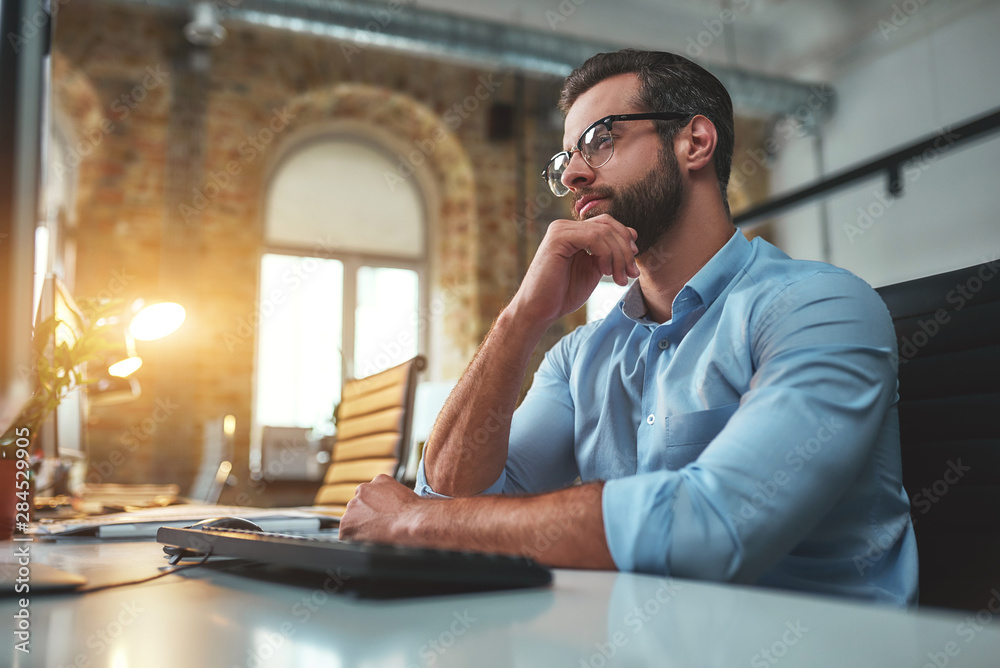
{"x": 687, "y": 434}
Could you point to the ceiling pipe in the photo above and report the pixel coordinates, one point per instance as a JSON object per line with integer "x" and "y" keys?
{"x": 398, "y": 26}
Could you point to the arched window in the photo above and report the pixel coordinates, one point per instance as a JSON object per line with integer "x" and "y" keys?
{"x": 341, "y": 282}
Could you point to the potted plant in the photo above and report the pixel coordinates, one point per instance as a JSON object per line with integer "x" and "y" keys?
{"x": 62, "y": 345}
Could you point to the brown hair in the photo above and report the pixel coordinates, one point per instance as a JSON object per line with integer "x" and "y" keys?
{"x": 668, "y": 82}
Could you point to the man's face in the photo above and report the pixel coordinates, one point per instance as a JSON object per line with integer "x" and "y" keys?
{"x": 650, "y": 206}
{"x": 641, "y": 185}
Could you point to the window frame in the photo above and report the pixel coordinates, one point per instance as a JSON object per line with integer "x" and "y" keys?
{"x": 352, "y": 264}
{"x": 352, "y": 261}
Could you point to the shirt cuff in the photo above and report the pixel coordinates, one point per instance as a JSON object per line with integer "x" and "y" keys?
{"x": 422, "y": 488}
{"x": 637, "y": 520}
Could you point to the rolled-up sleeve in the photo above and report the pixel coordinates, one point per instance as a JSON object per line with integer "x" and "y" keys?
{"x": 423, "y": 488}
{"x": 824, "y": 377}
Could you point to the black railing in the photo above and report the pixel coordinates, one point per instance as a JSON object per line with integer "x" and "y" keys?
{"x": 889, "y": 163}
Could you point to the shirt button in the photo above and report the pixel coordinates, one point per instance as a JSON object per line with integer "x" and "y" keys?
{"x": 650, "y": 419}
{"x": 664, "y": 344}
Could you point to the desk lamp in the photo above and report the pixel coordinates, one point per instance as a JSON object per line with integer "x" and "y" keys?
{"x": 150, "y": 322}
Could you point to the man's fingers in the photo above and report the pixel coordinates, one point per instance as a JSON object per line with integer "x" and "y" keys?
{"x": 619, "y": 258}
{"x": 612, "y": 260}
{"x": 613, "y": 245}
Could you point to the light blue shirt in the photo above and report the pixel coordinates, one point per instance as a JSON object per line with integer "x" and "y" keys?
{"x": 752, "y": 438}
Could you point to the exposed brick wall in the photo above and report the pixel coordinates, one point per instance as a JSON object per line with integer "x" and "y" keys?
{"x": 174, "y": 148}
{"x": 149, "y": 202}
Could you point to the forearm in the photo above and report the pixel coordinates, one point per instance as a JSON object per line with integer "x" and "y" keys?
{"x": 562, "y": 529}
{"x": 467, "y": 449}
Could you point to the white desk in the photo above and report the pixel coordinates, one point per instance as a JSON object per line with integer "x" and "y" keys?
{"x": 222, "y": 620}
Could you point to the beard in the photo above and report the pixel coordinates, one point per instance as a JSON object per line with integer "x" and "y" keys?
{"x": 650, "y": 206}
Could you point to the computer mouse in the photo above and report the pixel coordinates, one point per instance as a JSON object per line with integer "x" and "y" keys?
{"x": 175, "y": 554}
{"x": 226, "y": 523}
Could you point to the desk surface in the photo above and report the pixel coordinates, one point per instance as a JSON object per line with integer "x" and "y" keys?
{"x": 219, "y": 619}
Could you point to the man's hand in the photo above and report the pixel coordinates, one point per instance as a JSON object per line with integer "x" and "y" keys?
{"x": 570, "y": 261}
{"x": 382, "y": 511}
{"x": 564, "y": 528}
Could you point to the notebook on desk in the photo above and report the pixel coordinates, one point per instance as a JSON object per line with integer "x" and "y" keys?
{"x": 144, "y": 523}
{"x": 104, "y": 498}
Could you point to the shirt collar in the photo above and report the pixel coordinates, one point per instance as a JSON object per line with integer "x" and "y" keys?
{"x": 702, "y": 289}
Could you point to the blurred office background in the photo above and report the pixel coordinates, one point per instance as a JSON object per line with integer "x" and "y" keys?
{"x": 332, "y": 186}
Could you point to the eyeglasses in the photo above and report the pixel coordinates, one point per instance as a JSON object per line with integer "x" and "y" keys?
{"x": 596, "y": 145}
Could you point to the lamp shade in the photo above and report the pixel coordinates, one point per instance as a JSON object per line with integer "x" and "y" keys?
{"x": 157, "y": 320}
{"x": 125, "y": 367}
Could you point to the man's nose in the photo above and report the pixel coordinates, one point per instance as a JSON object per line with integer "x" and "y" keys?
{"x": 578, "y": 173}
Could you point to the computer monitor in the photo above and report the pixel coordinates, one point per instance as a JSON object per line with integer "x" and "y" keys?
{"x": 23, "y": 78}
{"x": 63, "y": 431}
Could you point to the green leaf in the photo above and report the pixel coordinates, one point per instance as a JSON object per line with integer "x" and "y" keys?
{"x": 59, "y": 367}
{"x": 42, "y": 336}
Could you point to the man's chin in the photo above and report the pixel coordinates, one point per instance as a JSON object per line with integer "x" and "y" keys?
{"x": 594, "y": 211}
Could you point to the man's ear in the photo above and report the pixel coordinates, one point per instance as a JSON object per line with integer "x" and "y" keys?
{"x": 696, "y": 143}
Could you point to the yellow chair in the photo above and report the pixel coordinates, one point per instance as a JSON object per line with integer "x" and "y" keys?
{"x": 373, "y": 432}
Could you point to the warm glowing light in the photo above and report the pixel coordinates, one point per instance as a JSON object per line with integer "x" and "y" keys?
{"x": 126, "y": 367}
{"x": 157, "y": 320}
{"x": 229, "y": 425}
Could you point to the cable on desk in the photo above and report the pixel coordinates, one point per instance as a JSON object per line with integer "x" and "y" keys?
{"x": 185, "y": 567}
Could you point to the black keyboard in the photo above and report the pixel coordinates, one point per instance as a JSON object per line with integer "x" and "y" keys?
{"x": 366, "y": 569}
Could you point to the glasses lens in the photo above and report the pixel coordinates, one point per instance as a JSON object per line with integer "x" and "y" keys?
{"x": 597, "y": 146}
{"x": 554, "y": 173}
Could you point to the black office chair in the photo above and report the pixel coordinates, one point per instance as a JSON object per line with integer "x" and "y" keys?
{"x": 948, "y": 332}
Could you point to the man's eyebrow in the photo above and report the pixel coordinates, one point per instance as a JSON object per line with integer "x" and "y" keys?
{"x": 580, "y": 136}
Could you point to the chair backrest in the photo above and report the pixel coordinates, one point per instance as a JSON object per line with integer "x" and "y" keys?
{"x": 948, "y": 333}
{"x": 373, "y": 431}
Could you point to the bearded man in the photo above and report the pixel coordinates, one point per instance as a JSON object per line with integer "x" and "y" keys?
{"x": 733, "y": 419}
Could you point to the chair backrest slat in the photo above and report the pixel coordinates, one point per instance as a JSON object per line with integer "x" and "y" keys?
{"x": 374, "y": 421}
